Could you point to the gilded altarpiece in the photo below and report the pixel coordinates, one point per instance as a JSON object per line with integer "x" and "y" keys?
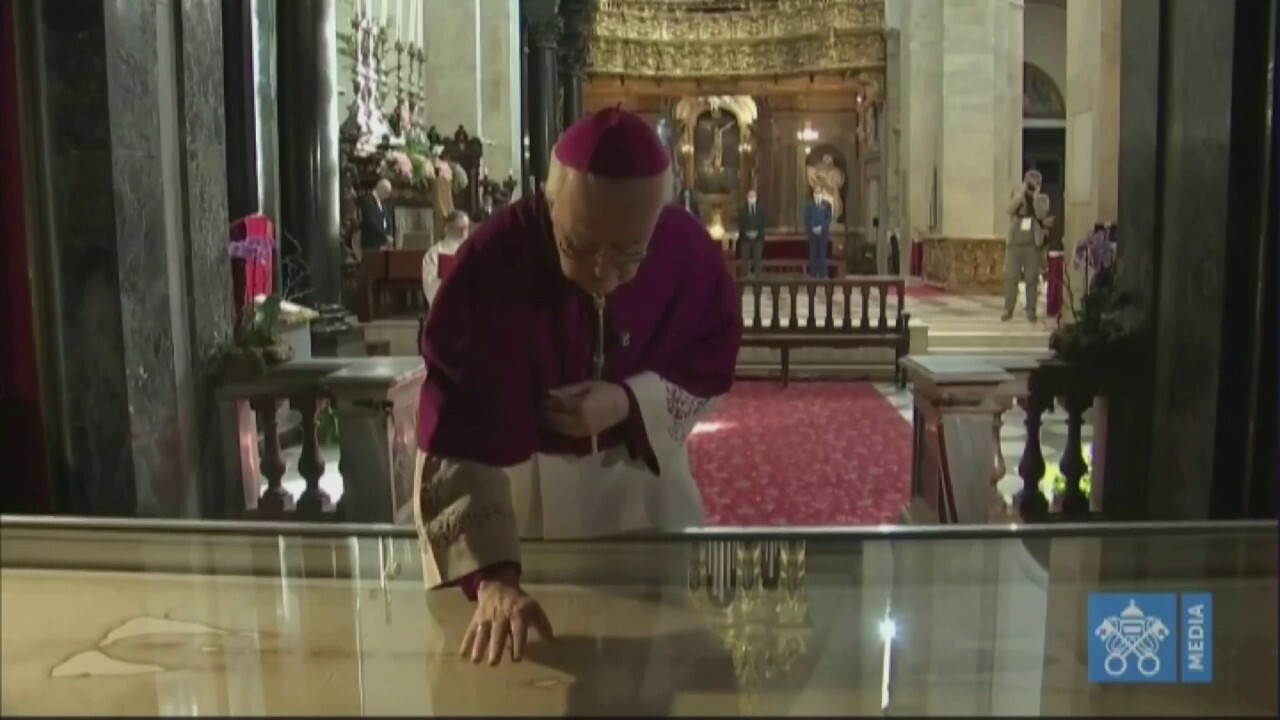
{"x": 716, "y": 152}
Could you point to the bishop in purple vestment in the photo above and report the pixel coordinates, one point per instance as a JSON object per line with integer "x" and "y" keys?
{"x": 582, "y": 333}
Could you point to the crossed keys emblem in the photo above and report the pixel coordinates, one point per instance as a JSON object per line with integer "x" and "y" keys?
{"x": 1132, "y": 633}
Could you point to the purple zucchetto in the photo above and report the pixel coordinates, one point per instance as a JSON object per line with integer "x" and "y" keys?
{"x": 614, "y": 144}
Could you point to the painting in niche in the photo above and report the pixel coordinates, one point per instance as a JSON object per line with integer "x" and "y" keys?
{"x": 1041, "y": 98}
{"x": 716, "y": 158}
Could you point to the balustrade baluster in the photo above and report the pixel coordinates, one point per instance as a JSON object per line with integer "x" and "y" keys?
{"x": 884, "y": 302}
{"x": 1075, "y": 505}
{"x": 275, "y": 500}
{"x": 830, "y": 323}
{"x": 314, "y": 501}
{"x": 1032, "y": 503}
{"x": 866, "y": 300}
{"x": 776, "y": 293}
{"x": 848, "y": 307}
{"x": 756, "y": 321}
{"x": 811, "y": 289}
{"x": 792, "y": 289}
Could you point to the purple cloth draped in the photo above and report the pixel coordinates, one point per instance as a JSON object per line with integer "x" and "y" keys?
{"x": 506, "y": 327}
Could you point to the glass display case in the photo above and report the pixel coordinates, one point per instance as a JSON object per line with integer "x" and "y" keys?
{"x": 147, "y": 618}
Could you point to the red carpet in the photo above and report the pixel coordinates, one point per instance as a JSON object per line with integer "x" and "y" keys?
{"x": 925, "y": 292}
{"x": 819, "y": 453}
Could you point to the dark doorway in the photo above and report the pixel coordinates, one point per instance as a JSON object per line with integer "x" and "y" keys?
{"x": 1045, "y": 149}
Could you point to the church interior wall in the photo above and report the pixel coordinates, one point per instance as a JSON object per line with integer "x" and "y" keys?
{"x": 1045, "y": 38}
{"x": 472, "y": 75}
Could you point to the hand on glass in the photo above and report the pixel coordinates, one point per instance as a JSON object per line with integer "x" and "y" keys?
{"x": 585, "y": 409}
{"x": 501, "y": 623}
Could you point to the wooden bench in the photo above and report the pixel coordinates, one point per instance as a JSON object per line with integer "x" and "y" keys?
{"x": 839, "y": 315}
{"x": 785, "y": 268}
{"x": 389, "y": 284}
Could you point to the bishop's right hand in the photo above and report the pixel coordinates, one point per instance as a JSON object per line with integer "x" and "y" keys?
{"x": 503, "y": 617}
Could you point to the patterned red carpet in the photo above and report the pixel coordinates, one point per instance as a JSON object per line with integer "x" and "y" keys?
{"x": 920, "y": 291}
{"x": 818, "y": 453}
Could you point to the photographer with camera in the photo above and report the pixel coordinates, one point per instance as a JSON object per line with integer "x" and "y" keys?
{"x": 1029, "y": 222}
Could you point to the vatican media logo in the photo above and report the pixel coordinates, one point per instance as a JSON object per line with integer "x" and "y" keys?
{"x": 1150, "y": 638}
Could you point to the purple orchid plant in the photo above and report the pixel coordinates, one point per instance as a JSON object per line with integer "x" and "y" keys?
{"x": 1103, "y": 321}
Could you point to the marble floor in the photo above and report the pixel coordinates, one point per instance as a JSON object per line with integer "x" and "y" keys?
{"x": 115, "y": 622}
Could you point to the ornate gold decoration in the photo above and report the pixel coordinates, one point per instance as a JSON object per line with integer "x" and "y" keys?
{"x": 743, "y": 109}
{"x": 755, "y": 592}
{"x": 965, "y": 264}
{"x": 758, "y": 38}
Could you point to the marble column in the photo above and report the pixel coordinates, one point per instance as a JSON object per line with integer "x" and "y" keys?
{"x": 133, "y": 273}
{"x": 473, "y": 75}
{"x": 1093, "y": 120}
{"x": 1191, "y": 428}
{"x": 573, "y": 57}
{"x": 542, "y": 40}
{"x": 974, "y": 146}
{"x": 307, "y": 58}
{"x": 238, "y": 49}
{"x": 921, "y": 114}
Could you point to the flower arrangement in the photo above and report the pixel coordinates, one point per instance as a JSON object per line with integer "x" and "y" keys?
{"x": 419, "y": 164}
{"x": 1104, "y": 315}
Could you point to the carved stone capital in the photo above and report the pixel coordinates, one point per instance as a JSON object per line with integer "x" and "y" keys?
{"x": 544, "y": 32}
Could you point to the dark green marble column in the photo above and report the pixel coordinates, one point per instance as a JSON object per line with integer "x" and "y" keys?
{"x": 1192, "y": 433}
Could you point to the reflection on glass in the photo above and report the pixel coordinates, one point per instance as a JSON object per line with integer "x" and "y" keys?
{"x": 188, "y": 623}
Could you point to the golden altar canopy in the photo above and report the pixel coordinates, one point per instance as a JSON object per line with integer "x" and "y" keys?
{"x": 738, "y": 38}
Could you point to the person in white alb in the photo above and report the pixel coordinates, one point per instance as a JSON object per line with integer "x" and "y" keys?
{"x": 434, "y": 270}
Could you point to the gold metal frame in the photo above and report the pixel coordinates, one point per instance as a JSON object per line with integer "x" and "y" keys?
{"x": 763, "y": 38}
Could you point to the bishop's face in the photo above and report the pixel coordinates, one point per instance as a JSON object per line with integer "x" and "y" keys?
{"x": 602, "y": 234}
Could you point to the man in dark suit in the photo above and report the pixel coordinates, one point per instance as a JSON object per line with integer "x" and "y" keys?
{"x": 377, "y": 218}
{"x": 751, "y": 236}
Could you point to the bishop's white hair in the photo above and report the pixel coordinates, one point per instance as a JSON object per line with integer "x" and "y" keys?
{"x": 558, "y": 176}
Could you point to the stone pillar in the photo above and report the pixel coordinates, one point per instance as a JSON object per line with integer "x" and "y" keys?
{"x": 307, "y": 57}
{"x": 542, "y": 38}
{"x": 1191, "y": 429}
{"x": 973, "y": 117}
{"x": 961, "y": 133}
{"x": 132, "y": 273}
{"x": 892, "y": 218}
{"x": 1090, "y": 193}
{"x": 1012, "y": 170}
{"x": 249, "y": 45}
{"x": 922, "y": 115}
{"x": 473, "y": 75}
{"x": 573, "y": 57}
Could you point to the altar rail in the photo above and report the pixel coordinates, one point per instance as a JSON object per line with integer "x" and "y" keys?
{"x": 792, "y": 312}
{"x": 1074, "y": 392}
{"x": 374, "y": 402}
{"x": 957, "y": 399}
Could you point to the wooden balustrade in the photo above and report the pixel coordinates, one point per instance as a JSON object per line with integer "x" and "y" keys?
{"x": 374, "y": 402}
{"x": 792, "y": 312}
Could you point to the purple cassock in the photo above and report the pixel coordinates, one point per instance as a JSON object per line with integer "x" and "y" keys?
{"x": 507, "y": 327}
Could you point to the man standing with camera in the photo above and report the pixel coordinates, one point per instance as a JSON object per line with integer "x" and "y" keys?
{"x": 1029, "y": 222}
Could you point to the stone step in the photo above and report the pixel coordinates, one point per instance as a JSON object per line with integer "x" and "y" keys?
{"x": 949, "y": 338}
{"x": 984, "y": 350}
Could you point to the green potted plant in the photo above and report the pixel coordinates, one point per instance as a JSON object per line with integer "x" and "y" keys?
{"x": 256, "y": 342}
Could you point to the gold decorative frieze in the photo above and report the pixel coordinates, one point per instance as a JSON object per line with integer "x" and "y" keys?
{"x": 736, "y": 39}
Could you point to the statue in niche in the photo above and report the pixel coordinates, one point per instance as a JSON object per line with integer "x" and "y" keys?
{"x": 827, "y": 177}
